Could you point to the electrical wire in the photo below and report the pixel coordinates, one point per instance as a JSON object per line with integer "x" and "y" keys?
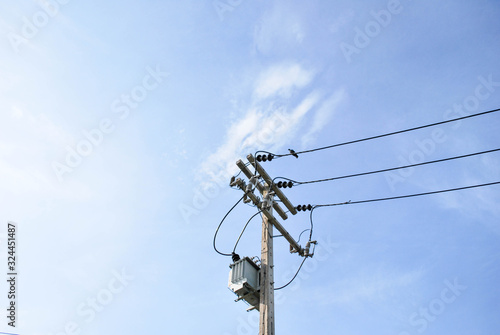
{"x": 236, "y": 175}
{"x": 241, "y": 234}
{"x": 311, "y": 219}
{"x": 384, "y": 199}
{"x": 297, "y": 183}
{"x": 291, "y": 280}
{"x": 220, "y": 224}
{"x": 303, "y": 261}
{"x": 406, "y": 196}
{"x": 301, "y": 234}
{"x": 385, "y": 135}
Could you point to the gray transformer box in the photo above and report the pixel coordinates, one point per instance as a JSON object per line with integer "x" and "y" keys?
{"x": 244, "y": 281}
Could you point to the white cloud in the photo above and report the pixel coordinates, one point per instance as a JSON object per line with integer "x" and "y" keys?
{"x": 273, "y": 120}
{"x": 305, "y": 106}
{"x": 323, "y": 115}
{"x": 281, "y": 79}
{"x": 259, "y": 129}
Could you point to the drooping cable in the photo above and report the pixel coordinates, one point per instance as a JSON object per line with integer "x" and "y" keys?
{"x": 220, "y": 224}
{"x": 236, "y": 175}
{"x": 302, "y": 233}
{"x": 303, "y": 261}
{"x": 311, "y": 219}
{"x": 292, "y": 182}
{"x": 243, "y": 230}
{"x": 291, "y": 280}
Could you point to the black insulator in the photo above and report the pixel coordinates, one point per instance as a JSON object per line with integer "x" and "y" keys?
{"x": 280, "y": 184}
{"x": 309, "y": 207}
{"x": 270, "y": 157}
{"x": 285, "y": 184}
{"x": 290, "y": 184}
{"x": 299, "y": 208}
{"x": 264, "y": 158}
{"x": 259, "y": 158}
{"x": 235, "y": 257}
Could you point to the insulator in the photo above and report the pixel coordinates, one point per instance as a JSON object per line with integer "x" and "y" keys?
{"x": 299, "y": 208}
{"x": 309, "y": 207}
{"x": 264, "y": 158}
{"x": 285, "y": 184}
{"x": 259, "y": 158}
{"x": 306, "y": 249}
{"x": 280, "y": 184}
{"x": 235, "y": 257}
{"x": 290, "y": 184}
{"x": 270, "y": 157}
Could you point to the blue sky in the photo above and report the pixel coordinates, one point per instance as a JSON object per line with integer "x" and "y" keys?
{"x": 121, "y": 123}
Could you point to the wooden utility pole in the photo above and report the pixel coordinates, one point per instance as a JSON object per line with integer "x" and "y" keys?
{"x": 268, "y": 191}
{"x": 266, "y": 325}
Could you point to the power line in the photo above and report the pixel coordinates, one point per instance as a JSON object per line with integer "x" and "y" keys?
{"x": 291, "y": 280}
{"x": 303, "y": 261}
{"x": 405, "y": 196}
{"x": 297, "y": 183}
{"x": 236, "y": 175}
{"x": 382, "y": 135}
{"x": 220, "y": 224}
{"x": 302, "y": 233}
{"x": 243, "y": 230}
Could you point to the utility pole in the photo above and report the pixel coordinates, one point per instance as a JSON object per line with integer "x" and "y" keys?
{"x": 268, "y": 191}
{"x": 266, "y": 308}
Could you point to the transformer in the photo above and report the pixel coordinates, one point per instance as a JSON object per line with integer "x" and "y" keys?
{"x": 244, "y": 281}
